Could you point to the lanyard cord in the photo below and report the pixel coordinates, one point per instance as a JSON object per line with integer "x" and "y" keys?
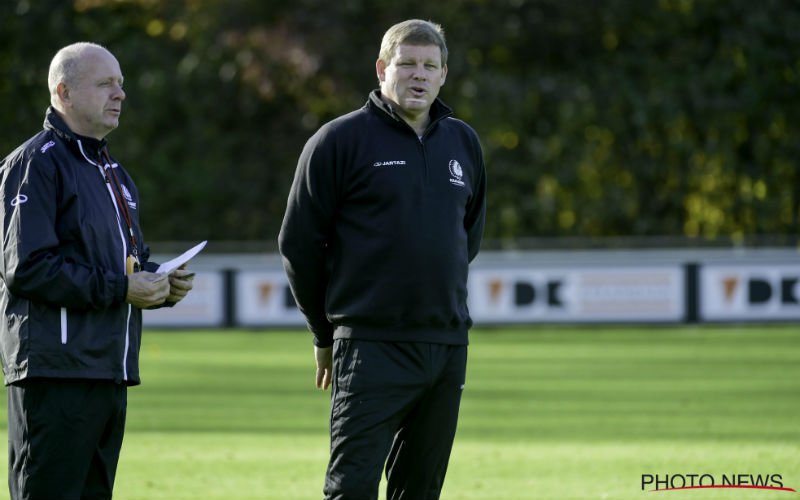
{"x": 116, "y": 188}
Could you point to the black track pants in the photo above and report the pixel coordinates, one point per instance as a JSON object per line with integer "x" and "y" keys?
{"x": 64, "y": 438}
{"x": 393, "y": 403}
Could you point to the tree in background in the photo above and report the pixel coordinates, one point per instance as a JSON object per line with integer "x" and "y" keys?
{"x": 608, "y": 118}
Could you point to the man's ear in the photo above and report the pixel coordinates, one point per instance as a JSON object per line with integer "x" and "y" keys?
{"x": 63, "y": 92}
{"x": 444, "y": 74}
{"x": 380, "y": 69}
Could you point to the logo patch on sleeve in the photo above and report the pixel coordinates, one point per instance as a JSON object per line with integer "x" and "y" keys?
{"x": 47, "y": 146}
{"x": 19, "y": 200}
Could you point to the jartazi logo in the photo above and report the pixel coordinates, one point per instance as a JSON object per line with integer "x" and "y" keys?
{"x": 456, "y": 173}
{"x": 19, "y": 200}
{"x": 390, "y": 163}
{"x": 697, "y": 481}
{"x": 47, "y": 146}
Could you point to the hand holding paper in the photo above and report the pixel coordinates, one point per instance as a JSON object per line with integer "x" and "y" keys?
{"x": 180, "y": 282}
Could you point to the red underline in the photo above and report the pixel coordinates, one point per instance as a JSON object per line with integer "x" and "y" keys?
{"x": 743, "y": 486}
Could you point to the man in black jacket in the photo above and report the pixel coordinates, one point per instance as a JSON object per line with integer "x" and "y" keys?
{"x": 385, "y": 213}
{"x": 74, "y": 276}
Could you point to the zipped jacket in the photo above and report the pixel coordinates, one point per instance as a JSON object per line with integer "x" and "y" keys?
{"x": 63, "y": 265}
{"x": 381, "y": 225}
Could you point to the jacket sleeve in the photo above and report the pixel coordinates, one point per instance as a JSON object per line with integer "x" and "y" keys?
{"x": 32, "y": 266}
{"x": 306, "y": 229}
{"x": 475, "y": 217}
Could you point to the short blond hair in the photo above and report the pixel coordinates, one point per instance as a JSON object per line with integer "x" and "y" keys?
{"x": 412, "y": 32}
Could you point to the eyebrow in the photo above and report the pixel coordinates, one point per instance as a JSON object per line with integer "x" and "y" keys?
{"x": 110, "y": 79}
{"x": 412, "y": 59}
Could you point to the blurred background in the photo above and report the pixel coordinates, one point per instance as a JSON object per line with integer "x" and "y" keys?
{"x": 642, "y": 160}
{"x": 611, "y": 123}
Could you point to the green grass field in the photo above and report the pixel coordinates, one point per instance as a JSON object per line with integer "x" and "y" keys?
{"x": 548, "y": 413}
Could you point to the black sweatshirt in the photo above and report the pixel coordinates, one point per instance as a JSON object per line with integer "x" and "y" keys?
{"x": 381, "y": 225}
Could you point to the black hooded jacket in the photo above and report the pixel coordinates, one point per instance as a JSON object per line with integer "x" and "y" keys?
{"x": 63, "y": 261}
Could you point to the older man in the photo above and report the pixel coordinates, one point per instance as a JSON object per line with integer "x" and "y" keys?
{"x": 74, "y": 276}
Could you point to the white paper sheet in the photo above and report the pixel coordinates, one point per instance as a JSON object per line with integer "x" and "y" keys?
{"x": 171, "y": 265}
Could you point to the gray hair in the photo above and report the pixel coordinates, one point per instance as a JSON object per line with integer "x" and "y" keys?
{"x": 412, "y": 32}
{"x": 65, "y": 67}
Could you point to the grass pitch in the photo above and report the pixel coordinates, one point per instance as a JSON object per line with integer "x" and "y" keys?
{"x": 547, "y": 413}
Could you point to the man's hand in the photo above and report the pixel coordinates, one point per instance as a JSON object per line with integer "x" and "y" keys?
{"x": 180, "y": 282}
{"x": 147, "y": 289}
{"x": 324, "y": 357}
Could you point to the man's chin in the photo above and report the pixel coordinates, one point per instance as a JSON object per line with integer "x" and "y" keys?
{"x": 416, "y": 105}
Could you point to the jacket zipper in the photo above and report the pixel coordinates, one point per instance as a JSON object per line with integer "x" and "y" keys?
{"x": 424, "y": 161}
{"x": 420, "y": 138}
{"x": 124, "y": 258}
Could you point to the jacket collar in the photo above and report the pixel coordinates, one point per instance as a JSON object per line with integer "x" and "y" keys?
{"x": 55, "y": 123}
{"x": 439, "y": 111}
